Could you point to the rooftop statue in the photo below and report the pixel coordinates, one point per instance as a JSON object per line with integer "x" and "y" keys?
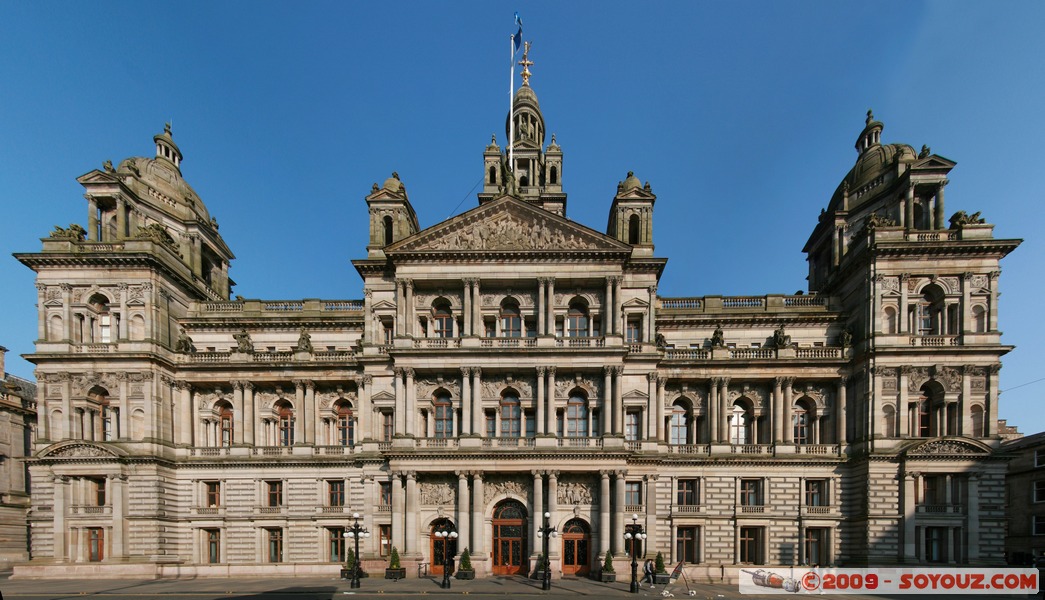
{"x": 304, "y": 342}
{"x": 718, "y": 339}
{"x": 780, "y": 338}
{"x": 74, "y": 232}
{"x": 961, "y": 218}
{"x": 243, "y": 342}
{"x": 184, "y": 344}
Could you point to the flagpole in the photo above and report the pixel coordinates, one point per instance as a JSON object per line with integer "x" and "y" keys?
{"x": 511, "y": 106}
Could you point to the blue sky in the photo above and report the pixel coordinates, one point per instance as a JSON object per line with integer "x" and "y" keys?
{"x": 742, "y": 116}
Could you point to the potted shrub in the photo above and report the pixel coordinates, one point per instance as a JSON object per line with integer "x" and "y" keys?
{"x": 350, "y": 563}
{"x": 395, "y": 570}
{"x": 660, "y": 574}
{"x": 606, "y": 575}
{"x": 464, "y": 568}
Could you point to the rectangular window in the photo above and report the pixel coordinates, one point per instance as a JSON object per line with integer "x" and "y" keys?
{"x": 212, "y": 494}
{"x": 336, "y": 543}
{"x": 110, "y": 423}
{"x": 490, "y": 329}
{"x": 98, "y": 491}
{"x": 213, "y": 538}
{"x": 1038, "y": 525}
{"x": 751, "y": 545}
{"x": 596, "y": 424}
{"x": 386, "y": 493}
{"x": 933, "y": 489}
{"x": 816, "y": 492}
{"x": 816, "y": 546}
{"x": 751, "y": 492}
{"x": 1039, "y": 491}
{"x": 935, "y": 542}
{"x": 105, "y": 327}
{"x": 384, "y": 533}
{"x": 336, "y": 493}
{"x": 631, "y": 426}
{"x": 531, "y": 424}
{"x": 387, "y": 426}
{"x": 686, "y": 544}
{"x": 632, "y": 330}
{"x": 687, "y": 492}
{"x": 275, "y": 545}
{"x": 491, "y": 425}
{"x": 275, "y": 493}
{"x": 633, "y": 493}
{"x": 386, "y": 329}
{"x": 1039, "y": 458}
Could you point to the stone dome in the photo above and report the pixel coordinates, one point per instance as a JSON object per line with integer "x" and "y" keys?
{"x": 393, "y": 184}
{"x": 159, "y": 182}
{"x": 631, "y": 182}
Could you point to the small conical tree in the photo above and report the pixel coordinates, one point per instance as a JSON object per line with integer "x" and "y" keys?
{"x": 350, "y": 560}
{"x": 607, "y": 564}
{"x": 466, "y": 561}
{"x": 659, "y": 565}
{"x": 393, "y": 559}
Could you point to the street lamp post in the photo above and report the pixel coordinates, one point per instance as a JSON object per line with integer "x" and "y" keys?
{"x": 635, "y": 536}
{"x": 446, "y": 533}
{"x": 545, "y": 534}
{"x": 355, "y": 532}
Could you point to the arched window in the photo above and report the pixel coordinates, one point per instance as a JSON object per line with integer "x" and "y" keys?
{"x": 577, "y": 319}
{"x": 493, "y": 175}
{"x": 101, "y": 325}
{"x": 930, "y": 311}
{"x": 444, "y": 415}
{"x": 346, "y": 425}
{"x": 511, "y": 319}
{"x": 889, "y": 416}
{"x": 740, "y": 424}
{"x": 577, "y": 416}
{"x": 388, "y": 229}
{"x": 55, "y": 328}
{"x": 680, "y": 424}
{"x": 554, "y": 175}
{"x": 510, "y": 415}
{"x": 802, "y": 419}
{"x": 633, "y": 229}
{"x": 285, "y": 423}
{"x": 929, "y": 415}
{"x": 442, "y": 319}
{"x": 979, "y": 319}
{"x": 224, "y": 410}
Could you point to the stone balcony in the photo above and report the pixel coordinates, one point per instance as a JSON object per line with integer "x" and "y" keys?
{"x": 940, "y": 509}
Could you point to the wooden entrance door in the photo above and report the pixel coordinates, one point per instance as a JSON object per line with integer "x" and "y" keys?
{"x": 576, "y": 545}
{"x": 95, "y": 544}
{"x": 509, "y": 538}
{"x": 441, "y": 547}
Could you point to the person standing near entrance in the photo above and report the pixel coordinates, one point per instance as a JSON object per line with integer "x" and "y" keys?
{"x": 647, "y": 570}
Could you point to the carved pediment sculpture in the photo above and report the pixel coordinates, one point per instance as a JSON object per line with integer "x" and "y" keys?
{"x": 948, "y": 448}
{"x": 79, "y": 450}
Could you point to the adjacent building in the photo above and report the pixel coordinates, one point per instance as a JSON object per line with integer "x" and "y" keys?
{"x": 1025, "y": 499}
{"x": 17, "y": 423}
{"x": 509, "y": 362}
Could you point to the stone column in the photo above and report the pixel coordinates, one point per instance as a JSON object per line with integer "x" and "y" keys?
{"x": 411, "y": 402}
{"x": 840, "y": 411}
{"x": 478, "y": 517}
{"x": 466, "y": 402}
{"x": 411, "y": 310}
{"x": 973, "y": 511}
{"x": 412, "y": 508}
{"x": 607, "y": 401}
{"x": 618, "y": 514}
{"x": 67, "y": 311}
{"x": 651, "y": 513}
{"x": 789, "y": 391}
{"x": 538, "y": 506}
{"x": 123, "y": 318}
{"x": 905, "y": 325}
{"x": 540, "y": 418}
{"x": 400, "y": 307}
{"x": 250, "y": 414}
{"x": 661, "y": 385}
{"x": 363, "y": 384}
{"x": 991, "y": 416}
{"x": 41, "y": 313}
{"x": 909, "y": 206}
{"x": 542, "y": 311}
{"x": 992, "y": 310}
{"x": 724, "y": 409}
{"x": 604, "y": 512}
{"x": 553, "y": 505}
{"x": 651, "y": 409}
{"x": 463, "y": 513}
{"x": 477, "y": 401}
{"x": 299, "y": 412}
{"x": 117, "y": 490}
{"x": 549, "y": 398}
{"x": 312, "y": 415}
{"x": 940, "y": 214}
{"x": 713, "y": 416}
{"x": 400, "y": 400}
{"x": 477, "y": 309}
{"x": 551, "y": 306}
{"x": 651, "y": 315}
{"x": 92, "y": 219}
{"x": 398, "y": 513}
{"x": 185, "y": 413}
{"x": 237, "y": 412}
{"x": 618, "y": 400}
{"x": 607, "y": 310}
{"x": 466, "y": 308}
{"x": 61, "y": 490}
{"x": 617, "y": 280}
{"x": 909, "y": 508}
{"x": 778, "y": 411}
{"x": 125, "y": 408}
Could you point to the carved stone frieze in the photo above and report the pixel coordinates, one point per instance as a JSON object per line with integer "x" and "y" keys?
{"x": 502, "y": 232}
{"x": 427, "y": 385}
{"x": 575, "y": 492}
{"x": 890, "y": 284}
{"x": 436, "y": 493}
{"x": 564, "y": 385}
{"x": 946, "y": 447}
{"x": 80, "y": 451}
{"x": 494, "y": 386}
{"x": 755, "y": 393}
{"x": 916, "y": 378}
{"x": 498, "y": 490}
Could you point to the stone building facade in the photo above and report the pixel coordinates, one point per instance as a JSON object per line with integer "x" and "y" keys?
{"x": 1025, "y": 497}
{"x": 17, "y": 424}
{"x": 509, "y": 362}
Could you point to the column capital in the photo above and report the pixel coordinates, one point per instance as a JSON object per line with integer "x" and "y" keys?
{"x": 477, "y": 371}
{"x": 651, "y": 376}
{"x": 300, "y": 384}
{"x": 620, "y": 473}
{"x": 604, "y": 474}
{"x": 843, "y": 379}
{"x": 994, "y": 368}
{"x": 538, "y": 473}
{"x": 618, "y": 370}
{"x": 651, "y": 477}
{"x": 551, "y": 371}
{"x": 462, "y": 474}
{"x": 541, "y": 371}
{"x": 365, "y": 379}
{"x": 248, "y": 385}
{"x": 398, "y": 371}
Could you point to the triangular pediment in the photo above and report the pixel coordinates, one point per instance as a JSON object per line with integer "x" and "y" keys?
{"x": 934, "y": 162}
{"x": 97, "y": 176}
{"x": 507, "y": 224}
{"x": 383, "y": 398}
{"x": 383, "y": 305}
{"x": 635, "y": 303}
{"x": 635, "y": 194}
{"x": 385, "y": 194}
{"x": 635, "y": 395}
{"x": 79, "y": 449}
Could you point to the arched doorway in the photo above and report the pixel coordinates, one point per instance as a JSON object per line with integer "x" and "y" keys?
{"x": 509, "y": 538}
{"x": 576, "y": 542}
{"x": 441, "y": 547}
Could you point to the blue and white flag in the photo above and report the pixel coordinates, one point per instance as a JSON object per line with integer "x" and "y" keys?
{"x": 517, "y": 38}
